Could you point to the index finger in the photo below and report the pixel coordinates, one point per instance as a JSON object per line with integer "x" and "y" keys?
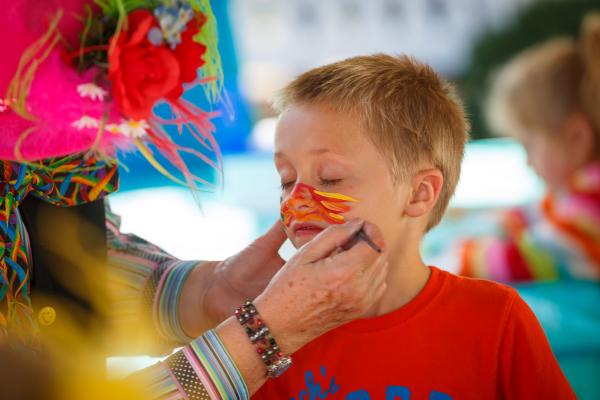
{"x": 329, "y": 240}
{"x": 362, "y": 252}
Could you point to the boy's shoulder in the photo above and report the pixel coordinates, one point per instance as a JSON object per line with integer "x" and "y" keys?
{"x": 480, "y": 297}
{"x": 474, "y": 287}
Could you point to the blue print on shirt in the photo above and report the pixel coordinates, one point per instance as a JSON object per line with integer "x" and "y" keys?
{"x": 359, "y": 395}
{"x": 397, "y": 392}
{"x": 315, "y": 391}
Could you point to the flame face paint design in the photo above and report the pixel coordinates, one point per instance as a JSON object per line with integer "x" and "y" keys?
{"x": 306, "y": 204}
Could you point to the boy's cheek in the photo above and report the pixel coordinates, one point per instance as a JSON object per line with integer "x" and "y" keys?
{"x": 357, "y": 211}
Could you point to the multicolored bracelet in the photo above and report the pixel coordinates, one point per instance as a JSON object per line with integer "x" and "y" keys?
{"x": 260, "y": 336}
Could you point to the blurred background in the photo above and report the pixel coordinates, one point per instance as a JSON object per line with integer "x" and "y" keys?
{"x": 265, "y": 43}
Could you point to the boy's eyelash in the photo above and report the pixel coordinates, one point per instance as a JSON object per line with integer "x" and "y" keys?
{"x": 328, "y": 182}
{"x": 324, "y": 182}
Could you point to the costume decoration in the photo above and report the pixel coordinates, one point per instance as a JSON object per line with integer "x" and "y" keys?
{"x": 63, "y": 181}
{"x": 94, "y": 85}
{"x": 81, "y": 81}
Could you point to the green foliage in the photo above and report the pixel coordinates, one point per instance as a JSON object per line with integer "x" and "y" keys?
{"x": 540, "y": 21}
{"x": 209, "y": 37}
{"x": 116, "y": 8}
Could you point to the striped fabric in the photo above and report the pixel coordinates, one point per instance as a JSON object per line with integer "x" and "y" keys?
{"x": 62, "y": 181}
{"x": 202, "y": 370}
{"x": 145, "y": 285}
{"x": 561, "y": 239}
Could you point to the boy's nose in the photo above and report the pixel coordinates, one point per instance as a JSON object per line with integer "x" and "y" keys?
{"x": 302, "y": 204}
{"x": 301, "y": 191}
{"x": 300, "y": 197}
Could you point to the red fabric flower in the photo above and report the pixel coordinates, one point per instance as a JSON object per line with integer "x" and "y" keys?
{"x": 142, "y": 73}
{"x": 189, "y": 54}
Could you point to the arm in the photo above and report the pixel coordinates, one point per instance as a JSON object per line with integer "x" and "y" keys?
{"x": 144, "y": 282}
{"x": 175, "y": 300}
{"x": 319, "y": 289}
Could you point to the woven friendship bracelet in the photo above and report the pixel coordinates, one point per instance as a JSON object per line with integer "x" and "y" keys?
{"x": 260, "y": 336}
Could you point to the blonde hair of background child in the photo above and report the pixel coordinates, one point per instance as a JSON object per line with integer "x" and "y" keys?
{"x": 543, "y": 85}
{"x": 410, "y": 113}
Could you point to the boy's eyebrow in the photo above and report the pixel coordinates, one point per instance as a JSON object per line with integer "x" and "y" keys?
{"x": 278, "y": 155}
{"x": 321, "y": 151}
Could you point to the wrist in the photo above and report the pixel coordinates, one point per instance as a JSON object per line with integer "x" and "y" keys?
{"x": 192, "y": 314}
{"x": 242, "y": 352}
{"x": 289, "y": 338}
{"x": 261, "y": 337}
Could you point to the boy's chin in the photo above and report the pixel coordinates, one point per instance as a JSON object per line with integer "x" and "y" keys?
{"x": 299, "y": 241}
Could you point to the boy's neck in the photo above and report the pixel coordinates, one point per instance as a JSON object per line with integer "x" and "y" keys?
{"x": 407, "y": 276}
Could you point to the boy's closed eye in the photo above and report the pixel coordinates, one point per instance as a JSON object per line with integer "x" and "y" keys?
{"x": 323, "y": 182}
{"x": 330, "y": 182}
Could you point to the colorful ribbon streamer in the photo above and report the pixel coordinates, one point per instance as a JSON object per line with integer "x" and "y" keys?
{"x": 65, "y": 181}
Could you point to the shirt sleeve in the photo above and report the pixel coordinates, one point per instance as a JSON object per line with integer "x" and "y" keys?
{"x": 145, "y": 286}
{"x": 201, "y": 370}
{"x": 527, "y": 366}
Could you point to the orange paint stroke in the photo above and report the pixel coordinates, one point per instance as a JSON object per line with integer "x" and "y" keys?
{"x": 306, "y": 204}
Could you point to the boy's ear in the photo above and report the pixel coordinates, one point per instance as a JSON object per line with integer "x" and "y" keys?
{"x": 426, "y": 188}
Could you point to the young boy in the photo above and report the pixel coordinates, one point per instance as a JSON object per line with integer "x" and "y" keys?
{"x": 382, "y": 138}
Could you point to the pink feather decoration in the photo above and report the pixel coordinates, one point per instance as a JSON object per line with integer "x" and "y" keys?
{"x": 56, "y": 104}
{"x": 60, "y": 111}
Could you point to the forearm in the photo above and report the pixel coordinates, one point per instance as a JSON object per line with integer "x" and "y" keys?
{"x": 243, "y": 354}
{"x": 154, "y": 291}
{"x": 192, "y": 313}
{"x": 221, "y": 363}
{"x": 203, "y": 369}
{"x": 298, "y": 305}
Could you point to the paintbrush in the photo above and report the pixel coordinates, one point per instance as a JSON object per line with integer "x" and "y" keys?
{"x": 361, "y": 235}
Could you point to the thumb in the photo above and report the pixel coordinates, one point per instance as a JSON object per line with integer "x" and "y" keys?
{"x": 271, "y": 240}
{"x": 331, "y": 239}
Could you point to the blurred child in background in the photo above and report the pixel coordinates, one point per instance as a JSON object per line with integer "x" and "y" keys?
{"x": 548, "y": 98}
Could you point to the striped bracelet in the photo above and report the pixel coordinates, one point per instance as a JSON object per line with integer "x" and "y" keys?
{"x": 204, "y": 367}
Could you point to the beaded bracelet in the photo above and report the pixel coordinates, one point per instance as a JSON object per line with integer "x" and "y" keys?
{"x": 261, "y": 337}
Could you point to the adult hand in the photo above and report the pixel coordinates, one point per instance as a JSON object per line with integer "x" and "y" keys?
{"x": 322, "y": 287}
{"x": 216, "y": 288}
{"x": 244, "y": 275}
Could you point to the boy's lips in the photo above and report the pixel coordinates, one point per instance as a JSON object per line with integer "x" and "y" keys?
{"x": 306, "y": 229}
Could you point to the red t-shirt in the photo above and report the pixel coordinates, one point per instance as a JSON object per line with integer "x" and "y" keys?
{"x": 459, "y": 338}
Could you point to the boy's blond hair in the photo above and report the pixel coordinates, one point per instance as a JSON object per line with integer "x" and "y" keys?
{"x": 412, "y": 115}
{"x": 543, "y": 85}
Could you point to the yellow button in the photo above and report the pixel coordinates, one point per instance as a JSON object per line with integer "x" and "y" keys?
{"x": 47, "y": 316}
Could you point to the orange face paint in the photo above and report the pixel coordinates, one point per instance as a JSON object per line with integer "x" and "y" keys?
{"x": 306, "y": 204}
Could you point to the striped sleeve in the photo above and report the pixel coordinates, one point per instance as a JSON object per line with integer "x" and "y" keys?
{"x": 145, "y": 286}
{"x": 202, "y": 370}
